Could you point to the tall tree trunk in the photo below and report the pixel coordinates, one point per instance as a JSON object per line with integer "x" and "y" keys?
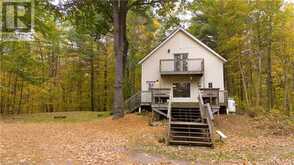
{"x": 286, "y": 92}
{"x": 2, "y": 86}
{"x": 120, "y": 9}
{"x": 269, "y": 67}
{"x": 243, "y": 81}
{"x": 20, "y": 97}
{"x": 286, "y": 65}
{"x": 259, "y": 76}
{"x": 14, "y": 92}
{"x": 92, "y": 84}
{"x": 80, "y": 84}
{"x": 269, "y": 80}
{"x": 105, "y": 83}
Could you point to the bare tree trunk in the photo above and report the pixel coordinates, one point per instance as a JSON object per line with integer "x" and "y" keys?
{"x": 80, "y": 84}
{"x": 2, "y": 86}
{"x": 7, "y": 100}
{"x": 13, "y": 108}
{"x": 92, "y": 83}
{"x": 120, "y": 9}
{"x": 269, "y": 67}
{"x": 286, "y": 92}
{"x": 286, "y": 66}
{"x": 243, "y": 81}
{"x": 105, "y": 83}
{"x": 20, "y": 97}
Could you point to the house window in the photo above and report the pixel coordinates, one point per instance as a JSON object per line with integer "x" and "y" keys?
{"x": 181, "y": 89}
{"x": 181, "y": 63}
{"x": 150, "y": 84}
{"x": 210, "y": 85}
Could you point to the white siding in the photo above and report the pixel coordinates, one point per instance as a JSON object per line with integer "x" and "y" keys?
{"x": 181, "y": 43}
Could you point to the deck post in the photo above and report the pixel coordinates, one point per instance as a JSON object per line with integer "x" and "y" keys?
{"x": 140, "y": 110}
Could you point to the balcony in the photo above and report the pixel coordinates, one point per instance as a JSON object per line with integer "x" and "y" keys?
{"x": 182, "y": 67}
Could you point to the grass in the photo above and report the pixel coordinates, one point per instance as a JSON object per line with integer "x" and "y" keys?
{"x": 80, "y": 116}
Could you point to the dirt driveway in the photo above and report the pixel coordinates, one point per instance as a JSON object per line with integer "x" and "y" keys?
{"x": 131, "y": 141}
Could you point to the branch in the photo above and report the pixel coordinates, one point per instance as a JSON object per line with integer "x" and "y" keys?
{"x": 142, "y": 3}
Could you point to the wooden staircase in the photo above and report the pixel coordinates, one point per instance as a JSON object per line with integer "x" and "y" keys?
{"x": 133, "y": 103}
{"x": 186, "y": 128}
{"x": 190, "y": 126}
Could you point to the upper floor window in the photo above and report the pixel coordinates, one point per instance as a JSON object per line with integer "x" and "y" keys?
{"x": 181, "y": 62}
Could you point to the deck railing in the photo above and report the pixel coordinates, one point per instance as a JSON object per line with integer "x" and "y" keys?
{"x": 146, "y": 97}
{"x": 206, "y": 113}
{"x": 188, "y": 66}
{"x": 133, "y": 102}
{"x": 223, "y": 97}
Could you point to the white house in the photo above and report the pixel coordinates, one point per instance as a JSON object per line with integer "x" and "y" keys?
{"x": 180, "y": 67}
{"x": 179, "y": 77}
{"x": 184, "y": 64}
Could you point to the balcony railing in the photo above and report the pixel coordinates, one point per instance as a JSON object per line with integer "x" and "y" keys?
{"x": 176, "y": 67}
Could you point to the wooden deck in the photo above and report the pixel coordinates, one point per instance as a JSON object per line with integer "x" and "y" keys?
{"x": 161, "y": 95}
{"x": 188, "y": 122}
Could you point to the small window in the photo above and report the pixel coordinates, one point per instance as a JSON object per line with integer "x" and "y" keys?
{"x": 181, "y": 90}
{"x": 150, "y": 84}
{"x": 210, "y": 85}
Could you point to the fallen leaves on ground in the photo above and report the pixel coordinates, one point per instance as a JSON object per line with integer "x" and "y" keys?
{"x": 132, "y": 140}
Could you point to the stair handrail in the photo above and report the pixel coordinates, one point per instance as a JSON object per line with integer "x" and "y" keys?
{"x": 201, "y": 104}
{"x": 169, "y": 108}
{"x": 169, "y": 104}
{"x": 206, "y": 113}
{"x": 209, "y": 118}
{"x": 136, "y": 98}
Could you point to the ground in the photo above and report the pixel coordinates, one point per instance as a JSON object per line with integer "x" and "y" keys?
{"x": 26, "y": 139}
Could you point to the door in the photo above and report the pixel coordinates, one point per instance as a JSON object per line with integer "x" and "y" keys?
{"x": 181, "y": 62}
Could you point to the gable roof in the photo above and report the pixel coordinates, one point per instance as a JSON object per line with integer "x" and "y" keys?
{"x": 188, "y": 34}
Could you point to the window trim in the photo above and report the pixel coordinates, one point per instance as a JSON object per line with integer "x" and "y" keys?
{"x": 182, "y": 61}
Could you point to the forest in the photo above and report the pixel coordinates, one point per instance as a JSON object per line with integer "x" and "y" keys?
{"x": 84, "y": 55}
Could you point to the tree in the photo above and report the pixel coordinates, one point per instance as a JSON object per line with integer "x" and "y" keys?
{"x": 119, "y": 10}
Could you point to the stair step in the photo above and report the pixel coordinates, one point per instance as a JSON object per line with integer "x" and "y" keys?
{"x": 190, "y": 142}
{"x": 188, "y": 128}
{"x": 187, "y": 123}
{"x": 186, "y": 115}
{"x": 184, "y": 119}
{"x": 183, "y": 110}
{"x": 202, "y": 134}
{"x": 181, "y": 113}
{"x": 195, "y": 131}
{"x": 191, "y": 137}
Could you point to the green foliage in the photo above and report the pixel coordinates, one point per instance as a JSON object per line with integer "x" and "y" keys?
{"x": 75, "y": 44}
{"x": 247, "y": 34}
